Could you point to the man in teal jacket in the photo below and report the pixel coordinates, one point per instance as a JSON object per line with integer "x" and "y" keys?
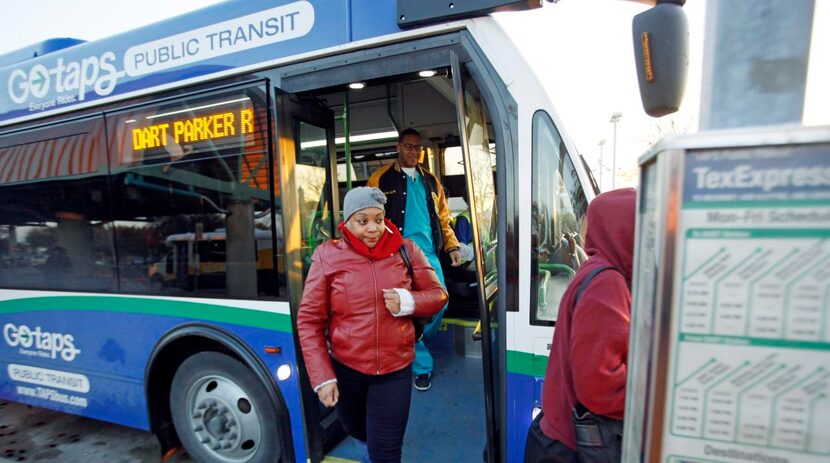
{"x": 416, "y": 204}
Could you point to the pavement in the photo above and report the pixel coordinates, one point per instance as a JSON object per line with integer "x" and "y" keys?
{"x": 32, "y": 434}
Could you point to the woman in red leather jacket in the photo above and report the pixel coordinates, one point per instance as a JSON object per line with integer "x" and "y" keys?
{"x": 358, "y": 299}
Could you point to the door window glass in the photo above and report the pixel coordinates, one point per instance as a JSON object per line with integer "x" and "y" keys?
{"x": 311, "y": 169}
{"x": 482, "y": 176}
{"x": 480, "y": 167}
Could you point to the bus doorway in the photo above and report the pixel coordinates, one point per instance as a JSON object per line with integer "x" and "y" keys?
{"x": 456, "y": 419}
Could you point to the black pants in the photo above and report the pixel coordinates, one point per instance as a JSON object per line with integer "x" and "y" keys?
{"x": 540, "y": 448}
{"x": 375, "y": 409}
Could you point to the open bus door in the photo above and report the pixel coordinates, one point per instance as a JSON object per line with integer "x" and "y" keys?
{"x": 305, "y": 157}
{"x": 479, "y": 163}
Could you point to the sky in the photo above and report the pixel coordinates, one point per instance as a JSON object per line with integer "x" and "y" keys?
{"x": 581, "y": 49}
{"x": 584, "y": 51}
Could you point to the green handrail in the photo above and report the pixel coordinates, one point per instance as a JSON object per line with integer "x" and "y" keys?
{"x": 557, "y": 267}
{"x": 347, "y": 146}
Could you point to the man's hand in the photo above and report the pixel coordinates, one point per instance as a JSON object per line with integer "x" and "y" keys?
{"x": 329, "y": 394}
{"x": 392, "y": 300}
{"x": 455, "y": 256}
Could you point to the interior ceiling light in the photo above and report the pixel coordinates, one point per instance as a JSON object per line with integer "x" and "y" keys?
{"x": 353, "y": 139}
{"x": 427, "y": 73}
{"x": 357, "y": 85}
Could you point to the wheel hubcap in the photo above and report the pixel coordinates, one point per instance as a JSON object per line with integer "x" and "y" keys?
{"x": 223, "y": 419}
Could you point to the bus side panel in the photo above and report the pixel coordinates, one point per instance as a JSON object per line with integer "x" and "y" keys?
{"x": 523, "y": 393}
{"x": 92, "y": 363}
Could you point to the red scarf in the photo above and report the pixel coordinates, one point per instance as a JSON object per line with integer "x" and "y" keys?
{"x": 389, "y": 243}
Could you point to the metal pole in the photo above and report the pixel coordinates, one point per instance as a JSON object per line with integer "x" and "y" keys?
{"x": 240, "y": 246}
{"x": 601, "y": 144}
{"x": 348, "y": 145}
{"x": 614, "y": 119}
{"x": 614, "y": 159}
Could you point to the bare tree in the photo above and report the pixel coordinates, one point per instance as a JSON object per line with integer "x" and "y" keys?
{"x": 674, "y": 124}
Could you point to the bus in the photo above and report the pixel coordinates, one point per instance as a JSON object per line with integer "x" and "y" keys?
{"x": 125, "y": 162}
{"x": 200, "y": 259}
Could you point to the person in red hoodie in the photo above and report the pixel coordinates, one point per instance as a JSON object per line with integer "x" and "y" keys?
{"x": 358, "y": 299}
{"x": 586, "y": 372}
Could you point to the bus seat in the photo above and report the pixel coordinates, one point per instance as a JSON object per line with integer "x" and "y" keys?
{"x": 461, "y": 287}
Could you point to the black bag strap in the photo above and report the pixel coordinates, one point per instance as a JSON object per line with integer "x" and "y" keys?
{"x": 598, "y": 438}
{"x": 586, "y": 281}
{"x": 405, "y": 257}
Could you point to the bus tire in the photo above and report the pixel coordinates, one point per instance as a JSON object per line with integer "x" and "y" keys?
{"x": 221, "y": 411}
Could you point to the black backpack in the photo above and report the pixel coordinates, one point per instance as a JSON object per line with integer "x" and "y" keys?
{"x": 419, "y": 323}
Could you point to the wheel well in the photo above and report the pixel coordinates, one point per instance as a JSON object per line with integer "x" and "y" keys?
{"x": 173, "y": 349}
{"x": 160, "y": 376}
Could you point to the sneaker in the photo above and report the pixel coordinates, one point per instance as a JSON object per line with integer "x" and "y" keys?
{"x": 423, "y": 382}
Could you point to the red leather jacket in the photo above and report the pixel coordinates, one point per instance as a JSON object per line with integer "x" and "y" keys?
{"x": 343, "y": 292}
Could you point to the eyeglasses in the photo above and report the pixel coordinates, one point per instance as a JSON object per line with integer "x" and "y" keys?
{"x": 411, "y": 147}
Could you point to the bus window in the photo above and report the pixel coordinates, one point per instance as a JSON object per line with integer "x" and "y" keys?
{"x": 557, "y": 215}
{"x": 212, "y": 251}
{"x": 54, "y": 209}
{"x": 192, "y": 177}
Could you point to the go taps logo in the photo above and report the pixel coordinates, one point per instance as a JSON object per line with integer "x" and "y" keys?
{"x": 95, "y": 73}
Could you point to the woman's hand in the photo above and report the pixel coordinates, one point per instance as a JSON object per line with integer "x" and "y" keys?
{"x": 329, "y": 394}
{"x": 392, "y": 300}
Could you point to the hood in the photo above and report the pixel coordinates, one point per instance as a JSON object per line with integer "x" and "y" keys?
{"x": 610, "y": 236}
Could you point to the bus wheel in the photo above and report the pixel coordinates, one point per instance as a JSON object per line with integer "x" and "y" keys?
{"x": 221, "y": 411}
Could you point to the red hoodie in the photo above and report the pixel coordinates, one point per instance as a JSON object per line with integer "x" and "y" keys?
{"x": 588, "y": 358}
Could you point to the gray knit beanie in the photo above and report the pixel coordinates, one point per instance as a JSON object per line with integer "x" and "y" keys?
{"x": 361, "y": 198}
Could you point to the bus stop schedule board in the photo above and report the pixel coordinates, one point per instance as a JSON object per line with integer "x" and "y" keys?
{"x": 749, "y": 376}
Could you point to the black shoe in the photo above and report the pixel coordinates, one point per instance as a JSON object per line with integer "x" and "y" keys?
{"x": 423, "y": 382}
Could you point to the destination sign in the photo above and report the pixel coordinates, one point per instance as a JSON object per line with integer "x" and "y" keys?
{"x": 194, "y": 129}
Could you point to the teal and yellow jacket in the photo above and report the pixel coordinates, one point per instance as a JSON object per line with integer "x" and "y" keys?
{"x": 391, "y": 180}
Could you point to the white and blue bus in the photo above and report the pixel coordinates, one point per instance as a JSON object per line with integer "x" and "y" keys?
{"x": 162, "y": 191}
